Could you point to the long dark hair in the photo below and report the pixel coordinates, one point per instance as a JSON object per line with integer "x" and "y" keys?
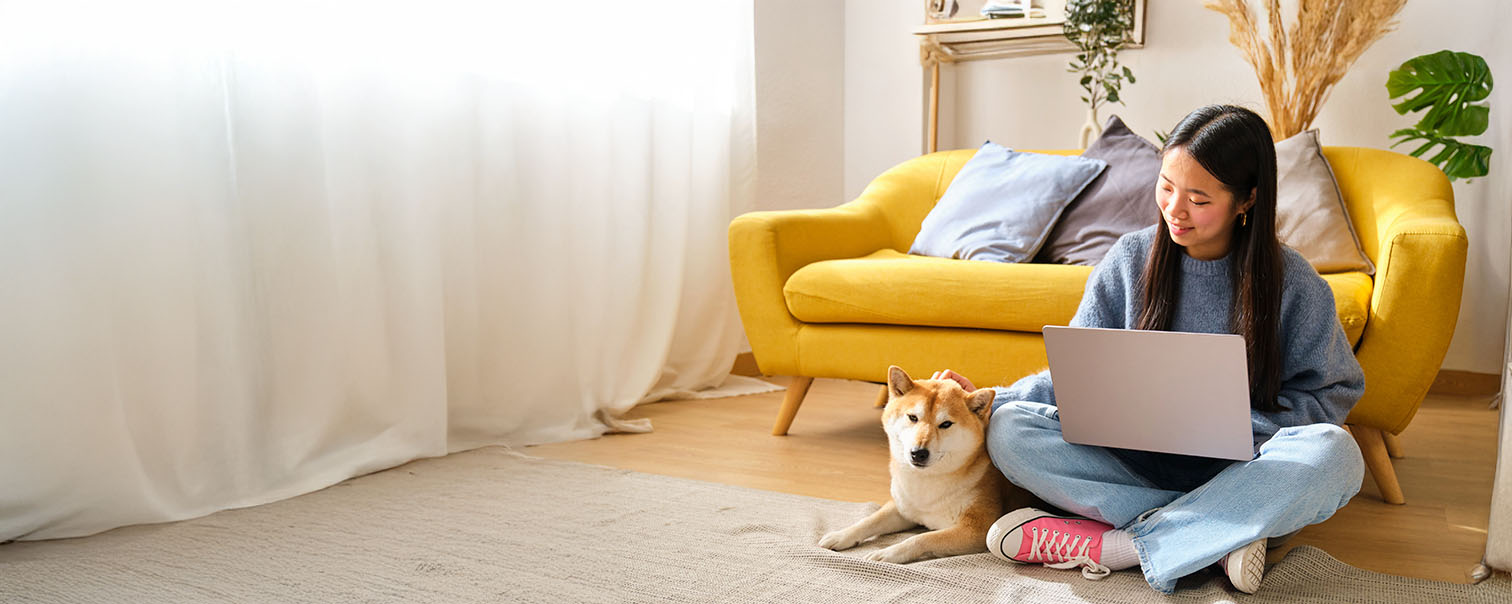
{"x": 1235, "y": 146}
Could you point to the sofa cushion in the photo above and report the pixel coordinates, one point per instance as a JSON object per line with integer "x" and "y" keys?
{"x": 1121, "y": 200}
{"x": 892, "y": 288}
{"x": 1002, "y": 204}
{"x": 1352, "y": 299}
{"x": 1310, "y": 212}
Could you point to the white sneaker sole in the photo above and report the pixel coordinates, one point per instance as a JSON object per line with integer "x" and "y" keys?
{"x": 997, "y": 534}
{"x": 1246, "y": 566}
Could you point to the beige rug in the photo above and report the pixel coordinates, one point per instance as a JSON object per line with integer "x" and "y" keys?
{"x": 493, "y": 526}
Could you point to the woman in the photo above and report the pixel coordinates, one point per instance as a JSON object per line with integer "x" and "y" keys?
{"x": 1212, "y": 265}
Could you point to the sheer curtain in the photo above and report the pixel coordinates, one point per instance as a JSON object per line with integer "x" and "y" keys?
{"x": 248, "y": 250}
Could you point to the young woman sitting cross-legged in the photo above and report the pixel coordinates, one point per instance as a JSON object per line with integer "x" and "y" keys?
{"x": 1212, "y": 265}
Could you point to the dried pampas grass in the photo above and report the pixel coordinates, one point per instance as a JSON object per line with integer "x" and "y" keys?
{"x": 1297, "y": 71}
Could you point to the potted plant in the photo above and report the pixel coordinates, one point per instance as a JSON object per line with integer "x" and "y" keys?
{"x": 1099, "y": 29}
{"x": 1453, "y": 87}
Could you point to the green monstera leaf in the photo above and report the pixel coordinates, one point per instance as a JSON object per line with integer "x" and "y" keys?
{"x": 1456, "y": 159}
{"x": 1449, "y": 83}
{"x": 1452, "y": 87}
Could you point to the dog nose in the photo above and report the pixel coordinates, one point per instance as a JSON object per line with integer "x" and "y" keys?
{"x": 919, "y": 455}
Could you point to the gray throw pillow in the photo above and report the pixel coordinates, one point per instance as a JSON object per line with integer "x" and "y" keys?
{"x": 1002, "y": 204}
{"x": 1310, "y": 212}
{"x": 1120, "y": 201}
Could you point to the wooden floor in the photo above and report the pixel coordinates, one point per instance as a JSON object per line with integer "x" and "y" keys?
{"x": 836, "y": 450}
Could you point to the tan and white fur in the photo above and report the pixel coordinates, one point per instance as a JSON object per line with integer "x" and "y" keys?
{"x": 942, "y": 477}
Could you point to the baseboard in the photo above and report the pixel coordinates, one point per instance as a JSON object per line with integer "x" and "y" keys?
{"x": 745, "y": 364}
{"x": 1464, "y": 383}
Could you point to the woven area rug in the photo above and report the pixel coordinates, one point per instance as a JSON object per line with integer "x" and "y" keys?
{"x": 494, "y": 526}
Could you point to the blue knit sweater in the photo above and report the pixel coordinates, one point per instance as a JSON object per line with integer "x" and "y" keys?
{"x": 1320, "y": 378}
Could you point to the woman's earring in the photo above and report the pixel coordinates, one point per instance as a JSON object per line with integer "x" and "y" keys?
{"x": 1244, "y": 219}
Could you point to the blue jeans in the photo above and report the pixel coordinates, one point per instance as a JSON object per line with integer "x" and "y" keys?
{"x": 1301, "y": 476}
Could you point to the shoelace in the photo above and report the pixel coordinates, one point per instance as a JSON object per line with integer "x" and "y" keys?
{"x": 1057, "y": 553}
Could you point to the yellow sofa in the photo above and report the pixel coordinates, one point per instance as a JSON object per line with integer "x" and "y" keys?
{"x": 833, "y": 293}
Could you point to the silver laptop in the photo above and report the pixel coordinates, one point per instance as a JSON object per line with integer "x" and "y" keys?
{"x": 1165, "y": 391}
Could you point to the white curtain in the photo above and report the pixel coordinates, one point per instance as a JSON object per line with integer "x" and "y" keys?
{"x": 250, "y": 249}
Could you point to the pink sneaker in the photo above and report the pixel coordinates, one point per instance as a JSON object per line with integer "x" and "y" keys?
{"x": 1028, "y": 535}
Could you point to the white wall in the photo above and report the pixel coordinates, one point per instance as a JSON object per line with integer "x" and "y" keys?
{"x": 884, "y": 88}
{"x": 800, "y": 151}
{"x": 1032, "y": 102}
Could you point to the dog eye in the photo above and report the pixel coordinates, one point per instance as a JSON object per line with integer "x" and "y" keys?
{"x": 946, "y": 425}
{"x": 913, "y": 418}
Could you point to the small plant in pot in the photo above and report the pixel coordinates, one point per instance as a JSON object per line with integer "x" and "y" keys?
{"x": 1099, "y": 29}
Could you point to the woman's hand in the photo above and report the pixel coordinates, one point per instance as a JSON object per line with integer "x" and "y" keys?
{"x": 951, "y": 375}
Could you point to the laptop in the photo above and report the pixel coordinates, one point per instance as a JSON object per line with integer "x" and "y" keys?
{"x": 1164, "y": 391}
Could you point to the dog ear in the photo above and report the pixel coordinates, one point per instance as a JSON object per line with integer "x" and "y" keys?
{"x": 898, "y": 382}
{"x": 981, "y": 400}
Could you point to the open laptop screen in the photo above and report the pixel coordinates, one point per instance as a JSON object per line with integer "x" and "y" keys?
{"x": 1164, "y": 391}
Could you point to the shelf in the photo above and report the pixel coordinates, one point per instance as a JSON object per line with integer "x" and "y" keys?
{"x": 1011, "y": 26}
{"x": 974, "y": 39}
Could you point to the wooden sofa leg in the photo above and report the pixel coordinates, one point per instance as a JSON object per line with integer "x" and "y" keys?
{"x": 1393, "y": 444}
{"x": 796, "y": 389}
{"x": 1373, "y": 446}
{"x": 882, "y": 397}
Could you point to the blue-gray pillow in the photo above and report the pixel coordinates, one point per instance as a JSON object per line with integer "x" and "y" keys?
{"x": 1120, "y": 201}
{"x": 1002, "y": 204}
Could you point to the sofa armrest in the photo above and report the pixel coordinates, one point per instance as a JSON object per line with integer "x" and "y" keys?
{"x": 768, "y": 247}
{"x": 1420, "y": 276}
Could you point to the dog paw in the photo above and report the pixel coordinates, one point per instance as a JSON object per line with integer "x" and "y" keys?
{"x": 896, "y": 554}
{"x": 837, "y": 541}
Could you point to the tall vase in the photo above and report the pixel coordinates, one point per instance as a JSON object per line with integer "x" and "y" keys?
{"x": 1089, "y": 130}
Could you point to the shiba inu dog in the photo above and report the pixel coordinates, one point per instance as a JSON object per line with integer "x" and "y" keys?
{"x": 941, "y": 475}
